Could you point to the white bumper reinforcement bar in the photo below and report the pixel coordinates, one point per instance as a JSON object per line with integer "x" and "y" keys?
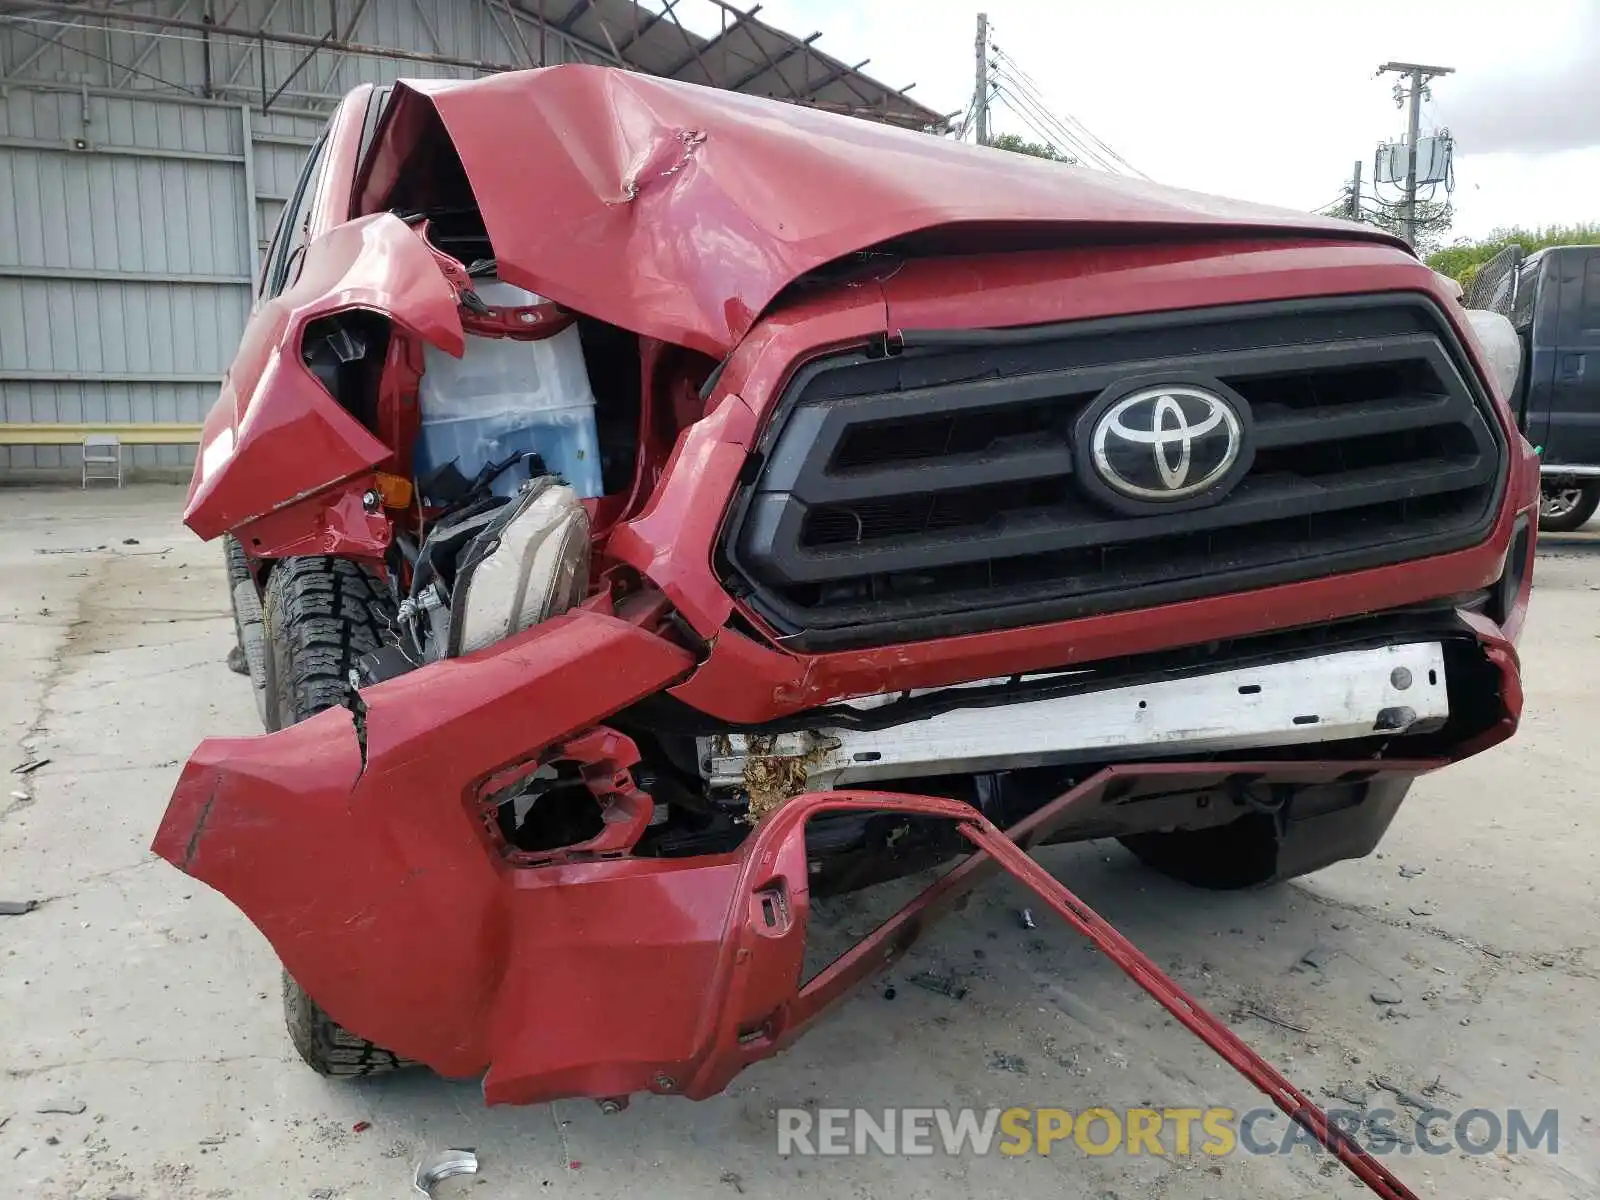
{"x": 1329, "y": 697}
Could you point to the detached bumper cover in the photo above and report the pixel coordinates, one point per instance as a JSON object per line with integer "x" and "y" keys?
{"x": 598, "y": 978}
{"x": 377, "y": 881}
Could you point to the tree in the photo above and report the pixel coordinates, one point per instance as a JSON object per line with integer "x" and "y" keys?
{"x": 1433, "y": 221}
{"x": 1018, "y": 145}
{"x": 1461, "y": 259}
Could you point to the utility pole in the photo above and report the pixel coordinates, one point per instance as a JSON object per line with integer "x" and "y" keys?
{"x": 980, "y": 95}
{"x": 1354, "y": 211}
{"x": 1419, "y": 78}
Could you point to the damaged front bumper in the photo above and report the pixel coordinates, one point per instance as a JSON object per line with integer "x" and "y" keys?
{"x": 362, "y": 851}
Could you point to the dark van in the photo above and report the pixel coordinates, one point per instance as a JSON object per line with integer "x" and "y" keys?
{"x": 1554, "y": 305}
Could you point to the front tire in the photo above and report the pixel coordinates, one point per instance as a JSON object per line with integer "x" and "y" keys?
{"x": 1223, "y": 858}
{"x": 1566, "y": 508}
{"x": 321, "y": 615}
{"x": 1321, "y": 825}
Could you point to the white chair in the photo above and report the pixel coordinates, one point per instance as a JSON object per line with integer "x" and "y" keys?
{"x": 102, "y": 457}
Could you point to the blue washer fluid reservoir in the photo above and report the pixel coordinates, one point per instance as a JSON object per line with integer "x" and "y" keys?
{"x": 505, "y": 397}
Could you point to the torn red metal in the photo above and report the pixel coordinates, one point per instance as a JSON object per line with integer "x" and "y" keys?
{"x": 275, "y": 435}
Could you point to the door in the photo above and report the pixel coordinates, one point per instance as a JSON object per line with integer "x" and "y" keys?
{"x": 1573, "y": 433}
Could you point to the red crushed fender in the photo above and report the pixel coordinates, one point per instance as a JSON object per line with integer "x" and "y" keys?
{"x": 299, "y": 440}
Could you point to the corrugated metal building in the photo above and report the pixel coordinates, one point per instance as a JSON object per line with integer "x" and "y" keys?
{"x": 147, "y": 149}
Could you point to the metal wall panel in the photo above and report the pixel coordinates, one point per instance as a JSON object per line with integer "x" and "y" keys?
{"x": 124, "y": 256}
{"x": 125, "y": 230}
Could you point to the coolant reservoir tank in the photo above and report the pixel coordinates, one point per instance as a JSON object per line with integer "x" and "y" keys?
{"x": 505, "y": 397}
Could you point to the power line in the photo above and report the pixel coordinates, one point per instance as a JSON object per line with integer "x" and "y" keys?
{"x": 1005, "y": 97}
{"x": 1025, "y": 95}
{"x": 1042, "y": 114}
{"x": 1021, "y": 76}
{"x": 1037, "y": 117}
{"x": 1000, "y": 75}
{"x": 1085, "y": 147}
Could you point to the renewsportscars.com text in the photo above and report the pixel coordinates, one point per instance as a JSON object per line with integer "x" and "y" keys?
{"x": 1216, "y": 1132}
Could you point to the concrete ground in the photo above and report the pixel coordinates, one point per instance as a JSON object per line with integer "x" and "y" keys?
{"x": 147, "y": 1007}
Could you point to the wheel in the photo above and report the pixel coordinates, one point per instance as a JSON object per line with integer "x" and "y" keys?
{"x": 249, "y": 653}
{"x": 238, "y": 569}
{"x": 1319, "y": 825}
{"x": 1223, "y": 858}
{"x": 1565, "y": 507}
{"x": 321, "y": 615}
{"x": 328, "y": 1047}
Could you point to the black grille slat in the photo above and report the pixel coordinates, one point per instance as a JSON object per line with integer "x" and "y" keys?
{"x": 1038, "y": 530}
{"x": 1273, "y": 428}
{"x": 1143, "y": 578}
{"x": 1038, "y": 457}
{"x": 940, "y": 497}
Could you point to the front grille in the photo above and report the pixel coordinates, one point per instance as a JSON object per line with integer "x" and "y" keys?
{"x": 933, "y": 491}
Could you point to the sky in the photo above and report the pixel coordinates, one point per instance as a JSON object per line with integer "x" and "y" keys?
{"x": 1272, "y": 100}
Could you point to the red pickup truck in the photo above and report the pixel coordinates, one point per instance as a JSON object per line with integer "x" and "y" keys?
{"x": 649, "y": 508}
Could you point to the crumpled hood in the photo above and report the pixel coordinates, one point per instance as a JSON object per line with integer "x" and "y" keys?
{"x": 680, "y": 212}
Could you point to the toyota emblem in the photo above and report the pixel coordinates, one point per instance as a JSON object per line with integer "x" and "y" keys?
{"x": 1167, "y": 443}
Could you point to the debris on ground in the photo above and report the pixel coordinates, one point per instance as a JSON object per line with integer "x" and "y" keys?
{"x": 1387, "y": 996}
{"x": 447, "y": 1164}
{"x": 1383, "y": 1084}
{"x": 361, "y": 1127}
{"x": 1382, "y": 1132}
{"x": 70, "y": 1105}
{"x": 1317, "y": 957}
{"x": 29, "y": 767}
{"x": 1352, "y": 1094}
{"x": 1014, "y": 1063}
{"x": 733, "y": 1179}
{"x": 944, "y": 985}
{"x": 130, "y": 541}
{"x": 1272, "y": 1020}
{"x": 1411, "y": 872}
{"x": 889, "y": 992}
{"x": 1026, "y": 917}
{"x": 1421, "y": 910}
{"x": 15, "y": 908}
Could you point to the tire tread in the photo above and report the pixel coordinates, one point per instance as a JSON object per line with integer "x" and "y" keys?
{"x": 322, "y": 614}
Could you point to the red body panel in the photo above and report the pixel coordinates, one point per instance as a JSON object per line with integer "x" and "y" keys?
{"x": 399, "y": 870}
{"x": 290, "y": 438}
